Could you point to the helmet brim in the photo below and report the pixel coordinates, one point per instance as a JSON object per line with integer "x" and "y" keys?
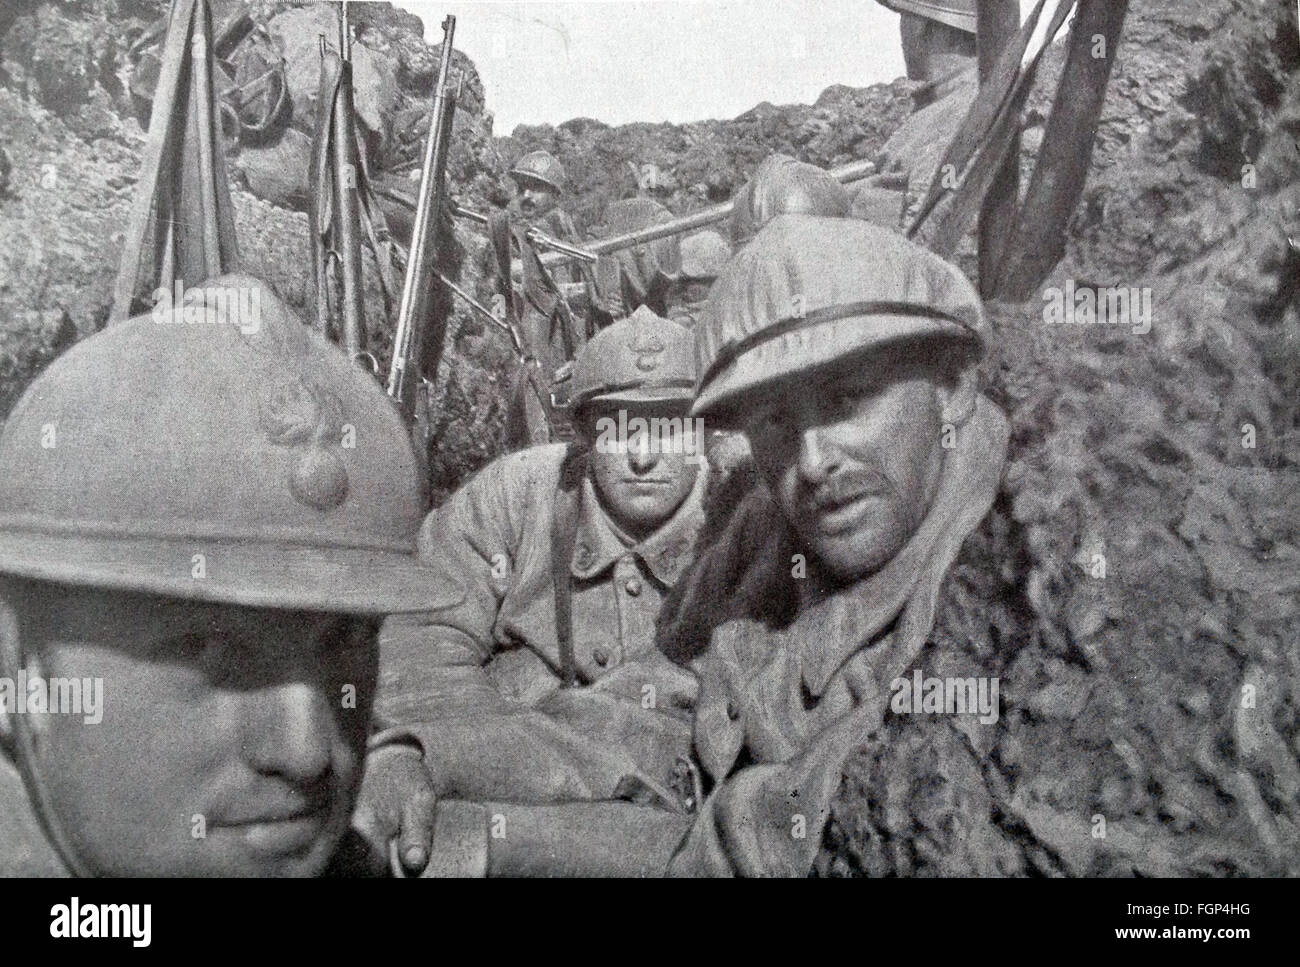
{"x": 937, "y": 12}
{"x": 640, "y": 396}
{"x": 526, "y": 179}
{"x": 800, "y": 352}
{"x": 281, "y": 576}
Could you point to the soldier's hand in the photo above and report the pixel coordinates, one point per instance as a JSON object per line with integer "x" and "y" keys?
{"x": 396, "y": 807}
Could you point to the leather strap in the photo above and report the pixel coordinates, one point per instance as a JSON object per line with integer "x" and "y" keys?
{"x": 564, "y": 531}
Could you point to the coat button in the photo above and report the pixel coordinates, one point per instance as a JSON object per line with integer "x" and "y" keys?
{"x": 601, "y": 657}
{"x": 633, "y": 586}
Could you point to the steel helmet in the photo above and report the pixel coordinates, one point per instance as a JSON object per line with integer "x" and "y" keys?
{"x": 641, "y": 274}
{"x": 783, "y": 185}
{"x": 809, "y": 291}
{"x": 217, "y": 450}
{"x": 703, "y": 255}
{"x": 540, "y": 169}
{"x": 661, "y": 256}
{"x": 953, "y": 13}
{"x": 641, "y": 359}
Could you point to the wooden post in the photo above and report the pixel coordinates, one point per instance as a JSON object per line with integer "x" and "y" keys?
{"x": 1038, "y": 241}
{"x": 996, "y": 23}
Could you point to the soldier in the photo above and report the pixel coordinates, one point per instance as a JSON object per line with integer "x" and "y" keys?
{"x": 642, "y": 275}
{"x": 940, "y": 53}
{"x": 555, "y": 324}
{"x": 203, "y": 516}
{"x": 782, "y": 185}
{"x": 541, "y": 184}
{"x": 702, "y": 257}
{"x": 544, "y": 685}
{"x": 938, "y": 41}
{"x": 847, "y": 356}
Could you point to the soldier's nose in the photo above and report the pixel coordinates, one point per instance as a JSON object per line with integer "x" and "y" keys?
{"x": 816, "y": 459}
{"x": 288, "y": 732}
{"x": 641, "y": 455}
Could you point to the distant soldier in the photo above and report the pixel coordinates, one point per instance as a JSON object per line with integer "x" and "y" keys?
{"x": 782, "y": 185}
{"x": 702, "y": 257}
{"x": 555, "y": 322}
{"x": 544, "y": 685}
{"x": 203, "y": 515}
{"x": 938, "y": 42}
{"x": 643, "y": 274}
{"x": 939, "y": 50}
{"x": 541, "y": 184}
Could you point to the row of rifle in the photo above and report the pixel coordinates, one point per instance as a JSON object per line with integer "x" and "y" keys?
{"x": 345, "y": 211}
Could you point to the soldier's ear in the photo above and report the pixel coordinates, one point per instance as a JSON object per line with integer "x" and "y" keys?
{"x": 957, "y": 398}
{"x": 14, "y": 657}
{"x": 10, "y": 662}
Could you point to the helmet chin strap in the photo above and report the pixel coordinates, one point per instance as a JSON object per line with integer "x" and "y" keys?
{"x": 24, "y": 747}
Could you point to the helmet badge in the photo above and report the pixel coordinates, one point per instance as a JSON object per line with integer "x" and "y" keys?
{"x": 649, "y": 352}
{"x": 311, "y": 419}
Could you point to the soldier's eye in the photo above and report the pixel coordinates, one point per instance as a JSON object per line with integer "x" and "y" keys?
{"x": 187, "y": 646}
{"x": 349, "y": 634}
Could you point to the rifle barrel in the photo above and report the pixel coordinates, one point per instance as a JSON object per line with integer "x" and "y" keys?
{"x": 536, "y": 236}
{"x": 855, "y": 171}
{"x": 345, "y": 194}
{"x": 427, "y": 208}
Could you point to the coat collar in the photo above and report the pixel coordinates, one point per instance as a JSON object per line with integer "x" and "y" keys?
{"x": 668, "y": 552}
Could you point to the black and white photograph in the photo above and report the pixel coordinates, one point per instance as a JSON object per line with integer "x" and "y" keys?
{"x": 682, "y": 438}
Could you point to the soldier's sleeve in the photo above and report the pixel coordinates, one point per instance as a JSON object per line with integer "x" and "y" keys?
{"x": 569, "y": 839}
{"x": 478, "y": 744}
{"x": 431, "y": 679}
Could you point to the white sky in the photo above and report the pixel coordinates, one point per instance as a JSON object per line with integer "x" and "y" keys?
{"x": 664, "y": 60}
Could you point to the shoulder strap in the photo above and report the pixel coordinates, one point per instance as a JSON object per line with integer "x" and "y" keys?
{"x": 564, "y": 530}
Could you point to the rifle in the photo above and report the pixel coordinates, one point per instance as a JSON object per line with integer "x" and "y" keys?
{"x": 345, "y": 193}
{"x": 428, "y": 210}
{"x": 181, "y": 226}
{"x": 535, "y": 235}
{"x": 682, "y": 224}
{"x": 334, "y": 212}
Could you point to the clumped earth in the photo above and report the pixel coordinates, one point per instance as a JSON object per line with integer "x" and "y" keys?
{"x": 1136, "y": 587}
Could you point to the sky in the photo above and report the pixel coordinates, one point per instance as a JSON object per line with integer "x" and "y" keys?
{"x": 663, "y": 60}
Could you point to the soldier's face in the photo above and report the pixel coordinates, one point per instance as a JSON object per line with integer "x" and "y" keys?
{"x": 535, "y": 201}
{"x": 643, "y": 462}
{"x": 687, "y": 299}
{"x": 231, "y": 742}
{"x": 853, "y": 457}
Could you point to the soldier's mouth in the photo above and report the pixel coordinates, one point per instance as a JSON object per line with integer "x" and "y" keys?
{"x": 843, "y": 514}
{"x": 279, "y": 833}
